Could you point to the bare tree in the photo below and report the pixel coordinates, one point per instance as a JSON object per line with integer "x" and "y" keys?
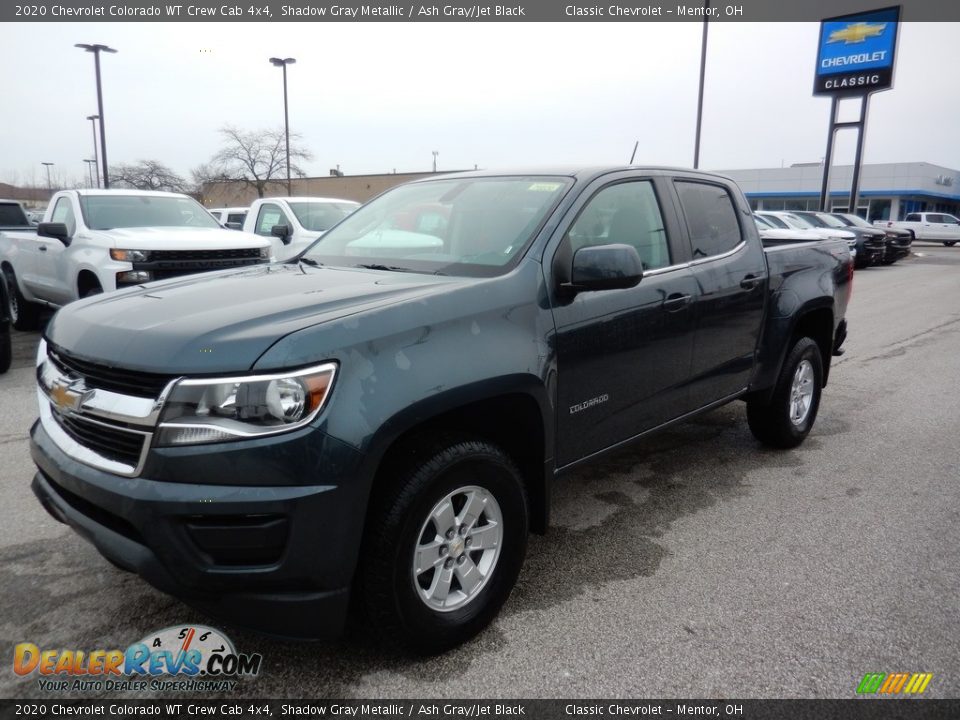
{"x": 147, "y": 175}
{"x": 202, "y": 177}
{"x": 256, "y": 158}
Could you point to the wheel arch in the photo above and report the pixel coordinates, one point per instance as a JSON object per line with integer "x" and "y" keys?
{"x": 87, "y": 279}
{"x": 515, "y": 418}
{"x": 815, "y": 319}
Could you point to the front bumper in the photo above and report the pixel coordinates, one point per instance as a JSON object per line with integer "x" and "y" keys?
{"x": 873, "y": 250}
{"x": 276, "y": 558}
{"x": 897, "y": 248}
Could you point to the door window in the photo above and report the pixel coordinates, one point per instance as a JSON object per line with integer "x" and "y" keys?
{"x": 626, "y": 213}
{"x": 269, "y": 216}
{"x": 63, "y": 213}
{"x": 711, "y": 218}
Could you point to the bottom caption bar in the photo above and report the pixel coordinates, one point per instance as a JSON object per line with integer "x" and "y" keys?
{"x": 853, "y": 709}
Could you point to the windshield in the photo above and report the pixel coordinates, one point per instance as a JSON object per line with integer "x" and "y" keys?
{"x": 762, "y": 223}
{"x": 797, "y": 222}
{"x": 831, "y": 221}
{"x": 455, "y": 226}
{"x": 854, "y": 220}
{"x": 321, "y": 216}
{"x": 106, "y": 212}
{"x": 775, "y": 221}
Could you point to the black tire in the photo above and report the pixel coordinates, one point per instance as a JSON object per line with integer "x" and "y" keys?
{"x": 91, "y": 290}
{"x": 949, "y": 243}
{"x": 387, "y": 587}
{"x": 862, "y": 260}
{"x": 24, "y": 314}
{"x": 771, "y": 422}
{"x": 888, "y": 260}
{"x": 6, "y": 353}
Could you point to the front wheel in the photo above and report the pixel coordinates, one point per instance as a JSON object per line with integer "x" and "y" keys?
{"x": 786, "y": 419}
{"x": 949, "y": 243}
{"x": 444, "y": 544}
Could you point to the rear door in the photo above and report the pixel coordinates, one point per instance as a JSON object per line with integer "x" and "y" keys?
{"x": 623, "y": 355}
{"x": 731, "y": 275}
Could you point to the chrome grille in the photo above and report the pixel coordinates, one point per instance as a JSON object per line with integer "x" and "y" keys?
{"x": 103, "y": 377}
{"x": 108, "y": 441}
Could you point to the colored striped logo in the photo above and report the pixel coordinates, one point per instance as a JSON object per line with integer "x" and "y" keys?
{"x": 894, "y": 683}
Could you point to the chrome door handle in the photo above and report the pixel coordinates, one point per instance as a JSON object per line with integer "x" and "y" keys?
{"x": 675, "y": 302}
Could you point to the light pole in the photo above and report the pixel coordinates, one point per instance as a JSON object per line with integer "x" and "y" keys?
{"x": 435, "y": 153}
{"x": 96, "y": 164}
{"x": 703, "y": 72}
{"x": 277, "y": 62}
{"x": 48, "y": 166}
{"x": 91, "y": 164}
{"x": 96, "y": 50}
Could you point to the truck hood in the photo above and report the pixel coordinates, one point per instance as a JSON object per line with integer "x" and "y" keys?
{"x": 222, "y": 322}
{"x": 179, "y": 238}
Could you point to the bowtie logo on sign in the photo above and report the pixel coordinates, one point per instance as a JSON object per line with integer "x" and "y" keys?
{"x": 857, "y": 32}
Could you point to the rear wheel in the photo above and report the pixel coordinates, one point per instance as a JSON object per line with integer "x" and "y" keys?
{"x": 786, "y": 419}
{"x": 949, "y": 243}
{"x": 24, "y": 314}
{"x": 444, "y": 545}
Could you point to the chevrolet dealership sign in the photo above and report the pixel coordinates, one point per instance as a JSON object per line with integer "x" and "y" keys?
{"x": 856, "y": 53}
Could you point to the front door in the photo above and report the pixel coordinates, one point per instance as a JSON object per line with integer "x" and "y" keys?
{"x": 49, "y": 269}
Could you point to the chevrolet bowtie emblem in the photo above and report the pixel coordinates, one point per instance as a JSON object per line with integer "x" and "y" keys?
{"x": 857, "y": 32}
{"x": 68, "y": 396}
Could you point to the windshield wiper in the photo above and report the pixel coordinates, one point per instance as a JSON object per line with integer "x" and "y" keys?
{"x": 392, "y": 268}
{"x": 310, "y": 261}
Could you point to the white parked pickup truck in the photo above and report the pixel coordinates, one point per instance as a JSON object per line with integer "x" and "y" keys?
{"x": 94, "y": 241}
{"x": 292, "y": 223}
{"x": 938, "y": 227}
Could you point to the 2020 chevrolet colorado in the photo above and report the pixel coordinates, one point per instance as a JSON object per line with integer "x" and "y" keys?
{"x": 381, "y": 419}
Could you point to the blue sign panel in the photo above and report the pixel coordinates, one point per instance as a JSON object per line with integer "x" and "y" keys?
{"x": 856, "y": 53}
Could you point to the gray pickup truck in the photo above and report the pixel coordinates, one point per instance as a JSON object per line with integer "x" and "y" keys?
{"x": 378, "y": 422}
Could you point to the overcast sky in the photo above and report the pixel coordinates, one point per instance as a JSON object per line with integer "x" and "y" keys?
{"x": 378, "y": 97}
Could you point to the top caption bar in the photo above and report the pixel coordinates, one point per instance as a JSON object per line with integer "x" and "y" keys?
{"x": 462, "y": 11}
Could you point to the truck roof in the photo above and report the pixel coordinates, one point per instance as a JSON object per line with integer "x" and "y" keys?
{"x": 304, "y": 198}
{"x": 581, "y": 172}
{"x": 125, "y": 191}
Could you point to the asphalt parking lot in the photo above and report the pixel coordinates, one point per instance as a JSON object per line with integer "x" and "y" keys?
{"x": 694, "y": 564}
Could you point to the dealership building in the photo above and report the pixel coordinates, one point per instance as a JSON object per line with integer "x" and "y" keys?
{"x": 887, "y": 190}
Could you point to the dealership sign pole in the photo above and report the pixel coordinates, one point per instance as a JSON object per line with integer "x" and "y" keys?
{"x": 855, "y": 58}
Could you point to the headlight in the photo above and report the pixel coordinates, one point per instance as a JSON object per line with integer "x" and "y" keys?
{"x": 130, "y": 255}
{"x": 265, "y": 251}
{"x": 220, "y": 409}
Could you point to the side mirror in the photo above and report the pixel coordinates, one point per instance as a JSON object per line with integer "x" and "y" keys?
{"x": 57, "y": 231}
{"x": 282, "y": 232}
{"x": 604, "y": 267}
{"x": 235, "y": 226}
